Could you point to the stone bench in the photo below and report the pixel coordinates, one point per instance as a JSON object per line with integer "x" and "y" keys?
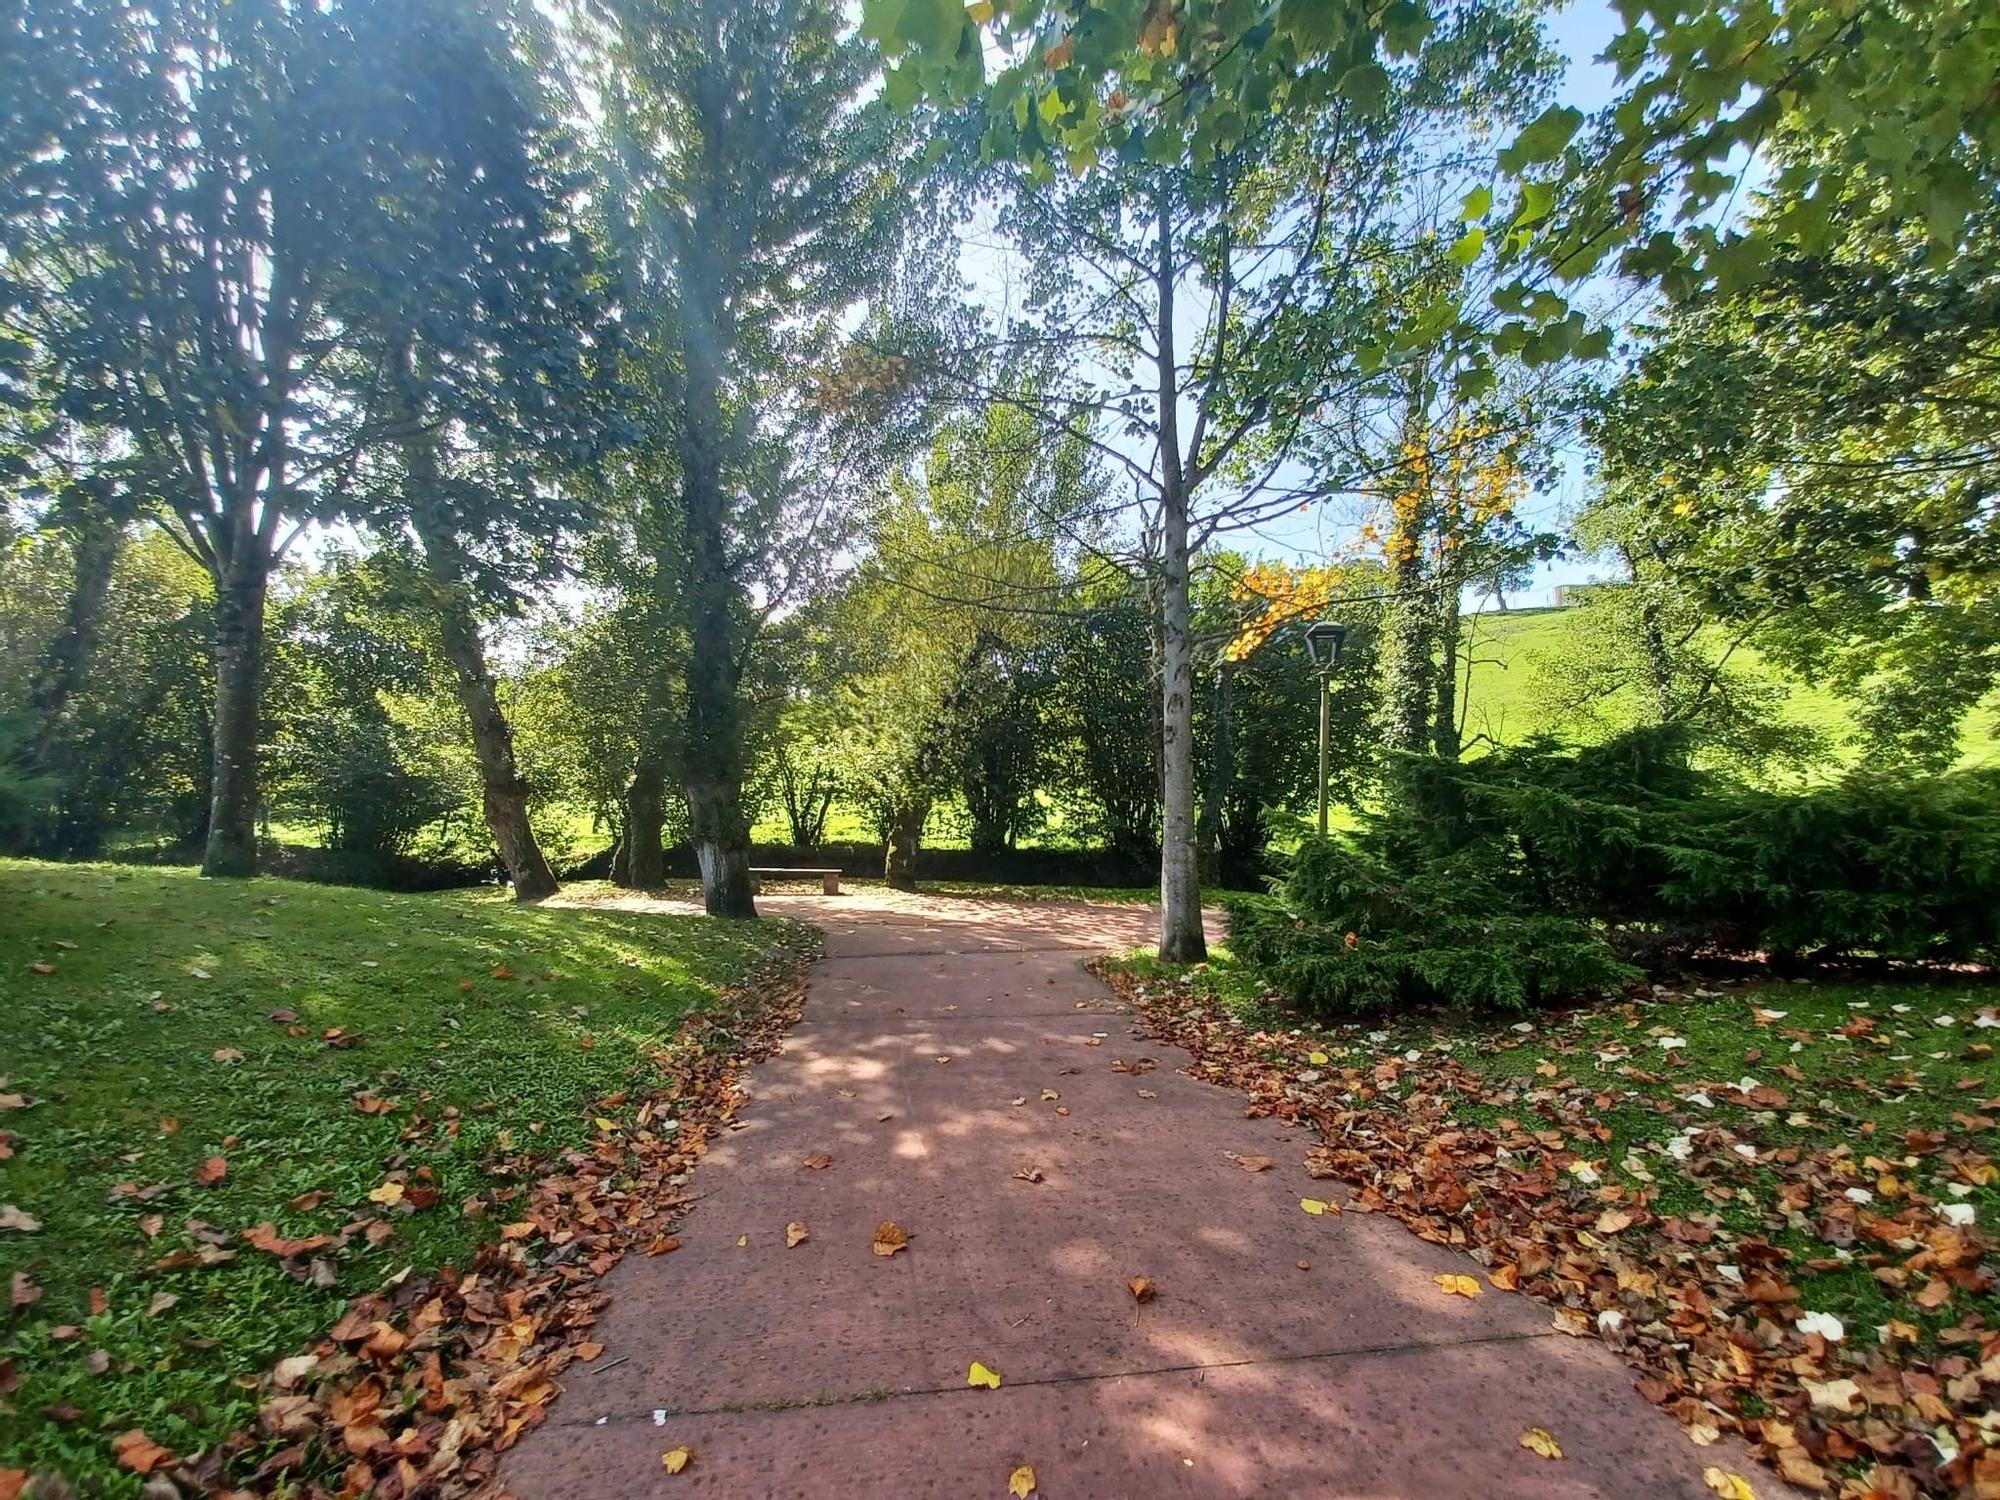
{"x": 829, "y": 880}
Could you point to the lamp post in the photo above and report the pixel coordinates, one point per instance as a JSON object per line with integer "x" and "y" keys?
{"x": 1324, "y": 640}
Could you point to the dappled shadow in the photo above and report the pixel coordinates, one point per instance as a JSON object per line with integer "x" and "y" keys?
{"x": 950, "y": 1052}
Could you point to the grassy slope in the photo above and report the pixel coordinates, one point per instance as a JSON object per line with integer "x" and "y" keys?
{"x": 514, "y": 1020}
{"x": 1502, "y": 701}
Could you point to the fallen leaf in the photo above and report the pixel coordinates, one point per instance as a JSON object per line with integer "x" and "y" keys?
{"x": 890, "y": 1237}
{"x": 796, "y": 1234}
{"x": 819, "y": 1161}
{"x": 1305, "y": 1265}
{"x": 1729, "y": 1486}
{"x": 23, "y": 1292}
{"x": 1458, "y": 1286}
{"x": 13, "y": 1481}
{"x": 1252, "y": 1163}
{"x": 389, "y": 1194}
{"x": 1314, "y": 1206}
{"x": 140, "y": 1453}
{"x": 663, "y": 1244}
{"x": 228, "y": 1055}
{"x": 1029, "y": 1174}
{"x": 980, "y": 1375}
{"x": 1021, "y": 1483}
{"x": 1541, "y": 1441}
{"x": 1142, "y": 1288}
{"x": 676, "y": 1459}
{"x": 18, "y": 1220}
{"x": 212, "y": 1171}
{"x": 160, "y": 1303}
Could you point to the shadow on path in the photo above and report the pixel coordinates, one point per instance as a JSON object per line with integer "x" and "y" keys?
{"x": 934, "y": 1033}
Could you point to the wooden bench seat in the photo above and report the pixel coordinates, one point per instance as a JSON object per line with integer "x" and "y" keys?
{"x": 829, "y": 880}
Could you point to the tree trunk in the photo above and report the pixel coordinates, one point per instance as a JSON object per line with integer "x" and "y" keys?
{"x": 98, "y": 540}
{"x": 906, "y": 837}
{"x": 505, "y": 790}
{"x": 1181, "y": 938}
{"x": 1444, "y": 723}
{"x": 714, "y": 748}
{"x": 645, "y": 854}
{"x": 239, "y": 681}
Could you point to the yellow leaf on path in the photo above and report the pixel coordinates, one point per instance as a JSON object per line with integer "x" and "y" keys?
{"x": 389, "y": 1194}
{"x": 1458, "y": 1286}
{"x": 1142, "y": 1288}
{"x": 796, "y": 1234}
{"x": 980, "y": 1375}
{"x": 1314, "y": 1206}
{"x": 742, "y": 1242}
{"x": 1541, "y": 1440}
{"x": 1021, "y": 1483}
{"x": 1729, "y": 1486}
{"x": 676, "y": 1459}
{"x": 890, "y": 1237}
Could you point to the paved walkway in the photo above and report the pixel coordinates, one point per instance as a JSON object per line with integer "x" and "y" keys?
{"x": 827, "y": 1370}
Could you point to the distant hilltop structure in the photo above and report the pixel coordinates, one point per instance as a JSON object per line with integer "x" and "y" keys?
{"x": 1576, "y": 593}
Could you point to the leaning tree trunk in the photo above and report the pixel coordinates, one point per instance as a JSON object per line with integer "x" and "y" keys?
{"x": 906, "y": 834}
{"x": 239, "y": 679}
{"x": 505, "y": 790}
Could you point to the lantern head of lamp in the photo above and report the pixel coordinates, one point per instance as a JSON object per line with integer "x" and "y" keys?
{"x": 1324, "y": 641}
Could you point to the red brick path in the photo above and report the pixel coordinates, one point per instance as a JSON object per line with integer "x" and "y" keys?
{"x": 826, "y": 1370}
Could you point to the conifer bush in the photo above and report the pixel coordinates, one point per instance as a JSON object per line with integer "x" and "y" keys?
{"x": 1542, "y": 873}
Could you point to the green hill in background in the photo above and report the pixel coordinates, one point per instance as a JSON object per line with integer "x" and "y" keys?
{"x": 1506, "y": 701}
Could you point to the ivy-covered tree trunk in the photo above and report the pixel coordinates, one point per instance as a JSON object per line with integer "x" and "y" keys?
{"x": 98, "y": 538}
{"x": 504, "y": 791}
{"x": 239, "y": 678}
{"x": 714, "y": 747}
{"x": 906, "y": 835}
{"x": 1444, "y": 727}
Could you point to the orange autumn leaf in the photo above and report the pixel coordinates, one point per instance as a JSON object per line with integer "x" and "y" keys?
{"x": 140, "y": 1453}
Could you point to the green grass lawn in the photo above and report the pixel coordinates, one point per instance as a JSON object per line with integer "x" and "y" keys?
{"x": 1859, "y": 1066}
{"x": 156, "y": 1023}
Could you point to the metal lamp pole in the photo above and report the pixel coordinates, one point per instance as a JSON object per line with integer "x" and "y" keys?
{"x": 1325, "y": 694}
{"x": 1323, "y": 642}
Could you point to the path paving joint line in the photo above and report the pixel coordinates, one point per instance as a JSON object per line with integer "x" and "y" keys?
{"x": 950, "y": 1051}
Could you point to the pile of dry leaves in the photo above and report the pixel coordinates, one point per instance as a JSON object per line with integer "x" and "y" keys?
{"x": 421, "y": 1386}
{"x": 1712, "y": 1318}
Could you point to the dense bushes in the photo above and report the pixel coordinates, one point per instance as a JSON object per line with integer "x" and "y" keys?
{"x": 1539, "y": 872}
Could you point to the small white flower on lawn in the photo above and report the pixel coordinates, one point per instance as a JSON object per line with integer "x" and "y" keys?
{"x": 1960, "y": 1214}
{"x": 1826, "y": 1325}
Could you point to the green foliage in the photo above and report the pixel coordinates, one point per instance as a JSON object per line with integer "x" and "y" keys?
{"x": 1350, "y": 934}
{"x": 1526, "y": 874}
